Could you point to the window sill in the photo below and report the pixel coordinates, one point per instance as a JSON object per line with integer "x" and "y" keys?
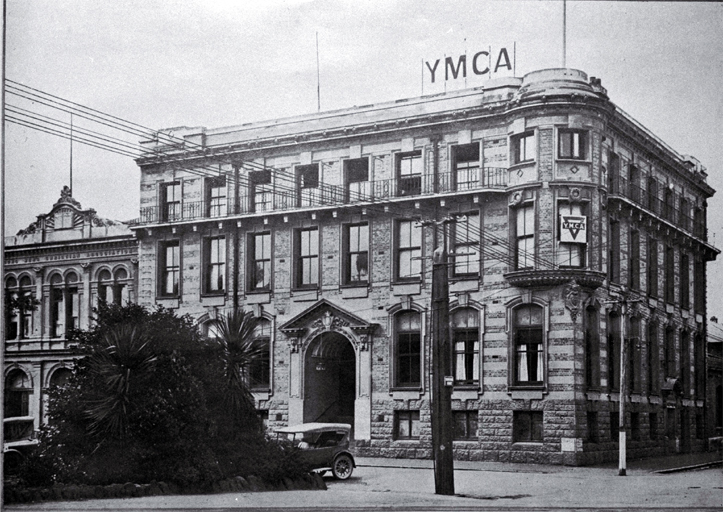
{"x": 525, "y": 163}
{"x": 473, "y": 441}
{"x": 219, "y": 293}
{"x": 359, "y": 284}
{"x": 526, "y": 443}
{"x": 574, "y": 160}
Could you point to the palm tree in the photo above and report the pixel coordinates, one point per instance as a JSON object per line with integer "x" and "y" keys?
{"x": 239, "y": 349}
{"x": 119, "y": 365}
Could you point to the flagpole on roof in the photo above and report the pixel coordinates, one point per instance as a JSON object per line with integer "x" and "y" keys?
{"x": 564, "y": 33}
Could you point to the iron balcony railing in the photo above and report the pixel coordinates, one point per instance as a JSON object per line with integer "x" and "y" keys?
{"x": 666, "y": 208}
{"x": 269, "y": 198}
{"x": 18, "y": 429}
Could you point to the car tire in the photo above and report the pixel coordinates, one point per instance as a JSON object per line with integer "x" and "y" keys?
{"x": 342, "y": 467}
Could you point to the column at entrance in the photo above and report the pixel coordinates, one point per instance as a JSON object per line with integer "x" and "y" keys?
{"x": 363, "y": 402}
{"x": 296, "y": 402}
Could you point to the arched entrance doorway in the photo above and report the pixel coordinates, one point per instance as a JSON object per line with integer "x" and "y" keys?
{"x": 330, "y": 379}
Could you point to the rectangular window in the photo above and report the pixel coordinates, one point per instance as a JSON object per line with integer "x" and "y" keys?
{"x": 571, "y": 235}
{"x": 170, "y": 265}
{"x": 307, "y": 179}
{"x": 12, "y": 331}
{"x": 652, "y": 267}
{"x": 670, "y": 275}
{"x": 171, "y": 201}
{"x": 408, "y": 350}
{"x": 614, "y": 352}
{"x": 614, "y": 173}
{"x": 572, "y": 144}
{"x": 409, "y": 250}
{"x": 634, "y": 183}
{"x": 685, "y": 362}
{"x": 653, "y": 420}
{"x": 26, "y": 316}
{"x": 529, "y": 353}
{"x": 465, "y": 245}
{"x": 523, "y": 148}
{"x": 592, "y": 348}
{"x": 259, "y": 257}
{"x": 261, "y": 191}
{"x": 699, "y": 285}
{"x": 614, "y": 426}
{"x": 216, "y": 196}
{"x": 634, "y": 356}
{"x": 215, "y": 264}
{"x": 670, "y": 426}
{"x": 670, "y": 370}
{"x": 465, "y": 339}
{"x": 356, "y": 254}
{"x": 306, "y": 244}
{"x": 466, "y": 166}
{"x": 525, "y": 237}
{"x": 592, "y": 426}
{"x": 356, "y": 178}
{"x": 614, "y": 253}
{"x": 635, "y": 426}
{"x": 406, "y": 425}
{"x": 409, "y": 173}
{"x": 527, "y": 427}
{"x": 260, "y": 367}
{"x": 684, "y": 281}
{"x": 653, "y": 195}
{"x": 634, "y": 260}
{"x": 465, "y": 425}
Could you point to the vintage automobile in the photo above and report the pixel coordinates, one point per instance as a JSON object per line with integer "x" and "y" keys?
{"x": 325, "y": 446}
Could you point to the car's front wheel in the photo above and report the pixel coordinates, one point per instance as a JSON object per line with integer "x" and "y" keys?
{"x": 343, "y": 467}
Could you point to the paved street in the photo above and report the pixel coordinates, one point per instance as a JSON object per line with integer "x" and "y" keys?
{"x": 384, "y": 484}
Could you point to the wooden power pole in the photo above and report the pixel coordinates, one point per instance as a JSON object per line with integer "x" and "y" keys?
{"x": 441, "y": 379}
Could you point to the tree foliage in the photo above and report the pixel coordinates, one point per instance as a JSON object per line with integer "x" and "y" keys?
{"x": 152, "y": 399}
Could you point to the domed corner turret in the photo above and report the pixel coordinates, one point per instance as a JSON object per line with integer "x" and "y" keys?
{"x": 548, "y": 84}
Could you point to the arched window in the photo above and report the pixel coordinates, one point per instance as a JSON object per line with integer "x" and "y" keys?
{"x": 528, "y": 340}
{"x": 465, "y": 339}
{"x": 592, "y": 348}
{"x": 28, "y": 306}
{"x": 60, "y": 377}
{"x": 120, "y": 287}
{"x": 260, "y": 367}
{"x": 17, "y": 394}
{"x": 64, "y": 304}
{"x": 408, "y": 350}
{"x": 13, "y": 315}
{"x": 105, "y": 286}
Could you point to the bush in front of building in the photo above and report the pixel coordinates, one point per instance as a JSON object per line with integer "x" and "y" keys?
{"x": 151, "y": 399}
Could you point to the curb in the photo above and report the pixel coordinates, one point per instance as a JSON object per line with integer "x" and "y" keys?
{"x": 705, "y": 465}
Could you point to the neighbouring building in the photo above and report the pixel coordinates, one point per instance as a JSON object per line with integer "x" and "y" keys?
{"x": 56, "y": 271}
{"x": 714, "y": 361}
{"x": 559, "y": 205}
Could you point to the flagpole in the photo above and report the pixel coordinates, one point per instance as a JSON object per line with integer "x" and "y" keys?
{"x": 564, "y": 33}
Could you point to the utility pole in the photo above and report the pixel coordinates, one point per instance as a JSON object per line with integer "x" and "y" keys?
{"x": 622, "y": 433}
{"x": 442, "y": 375}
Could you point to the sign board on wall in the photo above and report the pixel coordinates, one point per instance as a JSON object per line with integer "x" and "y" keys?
{"x": 573, "y": 229}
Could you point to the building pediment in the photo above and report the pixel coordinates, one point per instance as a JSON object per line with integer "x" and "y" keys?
{"x": 325, "y": 316}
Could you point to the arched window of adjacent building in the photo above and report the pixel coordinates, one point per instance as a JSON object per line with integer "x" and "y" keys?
{"x": 17, "y": 394}
{"x": 105, "y": 286}
{"x": 120, "y": 287}
{"x": 614, "y": 351}
{"x": 407, "y": 350}
{"x": 466, "y": 343}
{"x": 634, "y": 356}
{"x": 60, "y": 377}
{"x": 12, "y": 316}
{"x": 528, "y": 345}
{"x": 260, "y": 367}
{"x": 64, "y": 304}
{"x": 592, "y": 348}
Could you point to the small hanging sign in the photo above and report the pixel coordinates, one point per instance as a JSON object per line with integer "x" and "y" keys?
{"x": 573, "y": 229}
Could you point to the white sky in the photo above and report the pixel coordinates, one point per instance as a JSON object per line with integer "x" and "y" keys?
{"x": 166, "y": 63}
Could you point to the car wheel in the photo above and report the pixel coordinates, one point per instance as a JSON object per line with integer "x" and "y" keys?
{"x": 343, "y": 467}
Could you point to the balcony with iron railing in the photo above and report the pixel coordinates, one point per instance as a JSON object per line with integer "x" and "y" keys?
{"x": 279, "y": 199}
{"x": 658, "y": 207}
{"x": 19, "y": 429}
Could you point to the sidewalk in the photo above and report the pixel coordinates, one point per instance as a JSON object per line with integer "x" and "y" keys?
{"x": 649, "y": 465}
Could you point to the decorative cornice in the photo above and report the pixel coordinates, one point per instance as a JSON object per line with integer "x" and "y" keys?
{"x": 535, "y": 278}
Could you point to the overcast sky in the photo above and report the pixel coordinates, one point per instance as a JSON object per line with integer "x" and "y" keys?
{"x": 167, "y": 63}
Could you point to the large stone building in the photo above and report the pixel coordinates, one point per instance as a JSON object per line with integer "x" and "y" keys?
{"x": 561, "y": 206}
{"x": 61, "y": 265}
